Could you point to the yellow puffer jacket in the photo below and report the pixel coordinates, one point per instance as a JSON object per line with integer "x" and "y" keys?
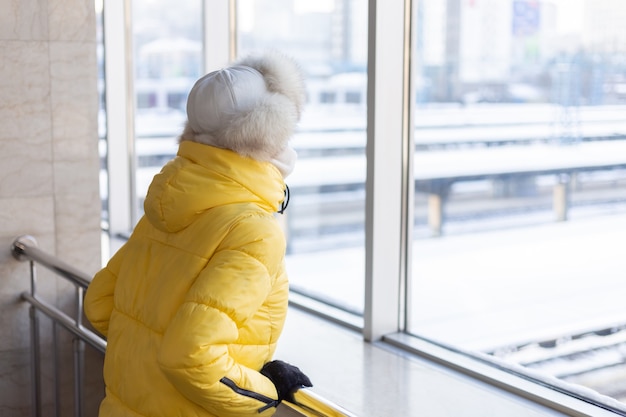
{"x": 193, "y": 304}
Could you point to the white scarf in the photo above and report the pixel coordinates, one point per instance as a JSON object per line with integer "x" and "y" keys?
{"x": 285, "y": 161}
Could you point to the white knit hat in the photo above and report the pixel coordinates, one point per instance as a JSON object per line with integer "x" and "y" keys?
{"x": 251, "y": 107}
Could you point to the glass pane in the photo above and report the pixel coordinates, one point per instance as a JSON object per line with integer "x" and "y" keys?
{"x": 325, "y": 218}
{"x": 520, "y": 191}
{"x": 167, "y": 53}
{"x": 102, "y": 148}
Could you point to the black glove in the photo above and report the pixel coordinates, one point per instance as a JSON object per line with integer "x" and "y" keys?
{"x": 287, "y": 378}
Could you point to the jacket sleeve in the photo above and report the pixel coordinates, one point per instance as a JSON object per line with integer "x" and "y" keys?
{"x": 98, "y": 303}
{"x": 232, "y": 287}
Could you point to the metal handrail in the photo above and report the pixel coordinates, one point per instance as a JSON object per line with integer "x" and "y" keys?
{"x": 24, "y": 248}
{"x": 67, "y": 322}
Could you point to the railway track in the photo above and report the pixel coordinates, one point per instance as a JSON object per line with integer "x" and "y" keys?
{"x": 595, "y": 359}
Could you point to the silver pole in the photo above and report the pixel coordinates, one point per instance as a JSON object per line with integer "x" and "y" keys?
{"x": 79, "y": 367}
{"x": 79, "y": 358}
{"x": 56, "y": 362}
{"x": 18, "y": 248}
{"x": 35, "y": 361}
{"x": 68, "y": 323}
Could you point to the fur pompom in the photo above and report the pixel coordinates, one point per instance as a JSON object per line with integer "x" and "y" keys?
{"x": 282, "y": 75}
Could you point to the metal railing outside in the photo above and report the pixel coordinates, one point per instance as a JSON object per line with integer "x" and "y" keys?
{"x": 24, "y": 248}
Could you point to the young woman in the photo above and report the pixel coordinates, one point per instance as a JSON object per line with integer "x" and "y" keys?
{"x": 194, "y": 303}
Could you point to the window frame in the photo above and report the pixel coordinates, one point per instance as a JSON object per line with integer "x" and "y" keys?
{"x": 120, "y": 113}
{"x": 388, "y": 191}
{"x": 386, "y": 237}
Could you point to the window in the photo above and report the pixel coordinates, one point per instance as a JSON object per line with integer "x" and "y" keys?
{"x": 176, "y": 100}
{"x": 353, "y": 97}
{"x": 102, "y": 148}
{"x": 520, "y": 190}
{"x": 146, "y": 100}
{"x": 328, "y": 97}
{"x": 491, "y": 218}
{"x": 325, "y": 217}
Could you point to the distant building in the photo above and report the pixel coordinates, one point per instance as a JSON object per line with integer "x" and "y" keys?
{"x": 170, "y": 58}
{"x": 604, "y": 26}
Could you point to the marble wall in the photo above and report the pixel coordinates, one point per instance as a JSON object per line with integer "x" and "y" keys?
{"x": 48, "y": 165}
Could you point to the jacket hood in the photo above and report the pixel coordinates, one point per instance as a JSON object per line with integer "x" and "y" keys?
{"x": 201, "y": 177}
